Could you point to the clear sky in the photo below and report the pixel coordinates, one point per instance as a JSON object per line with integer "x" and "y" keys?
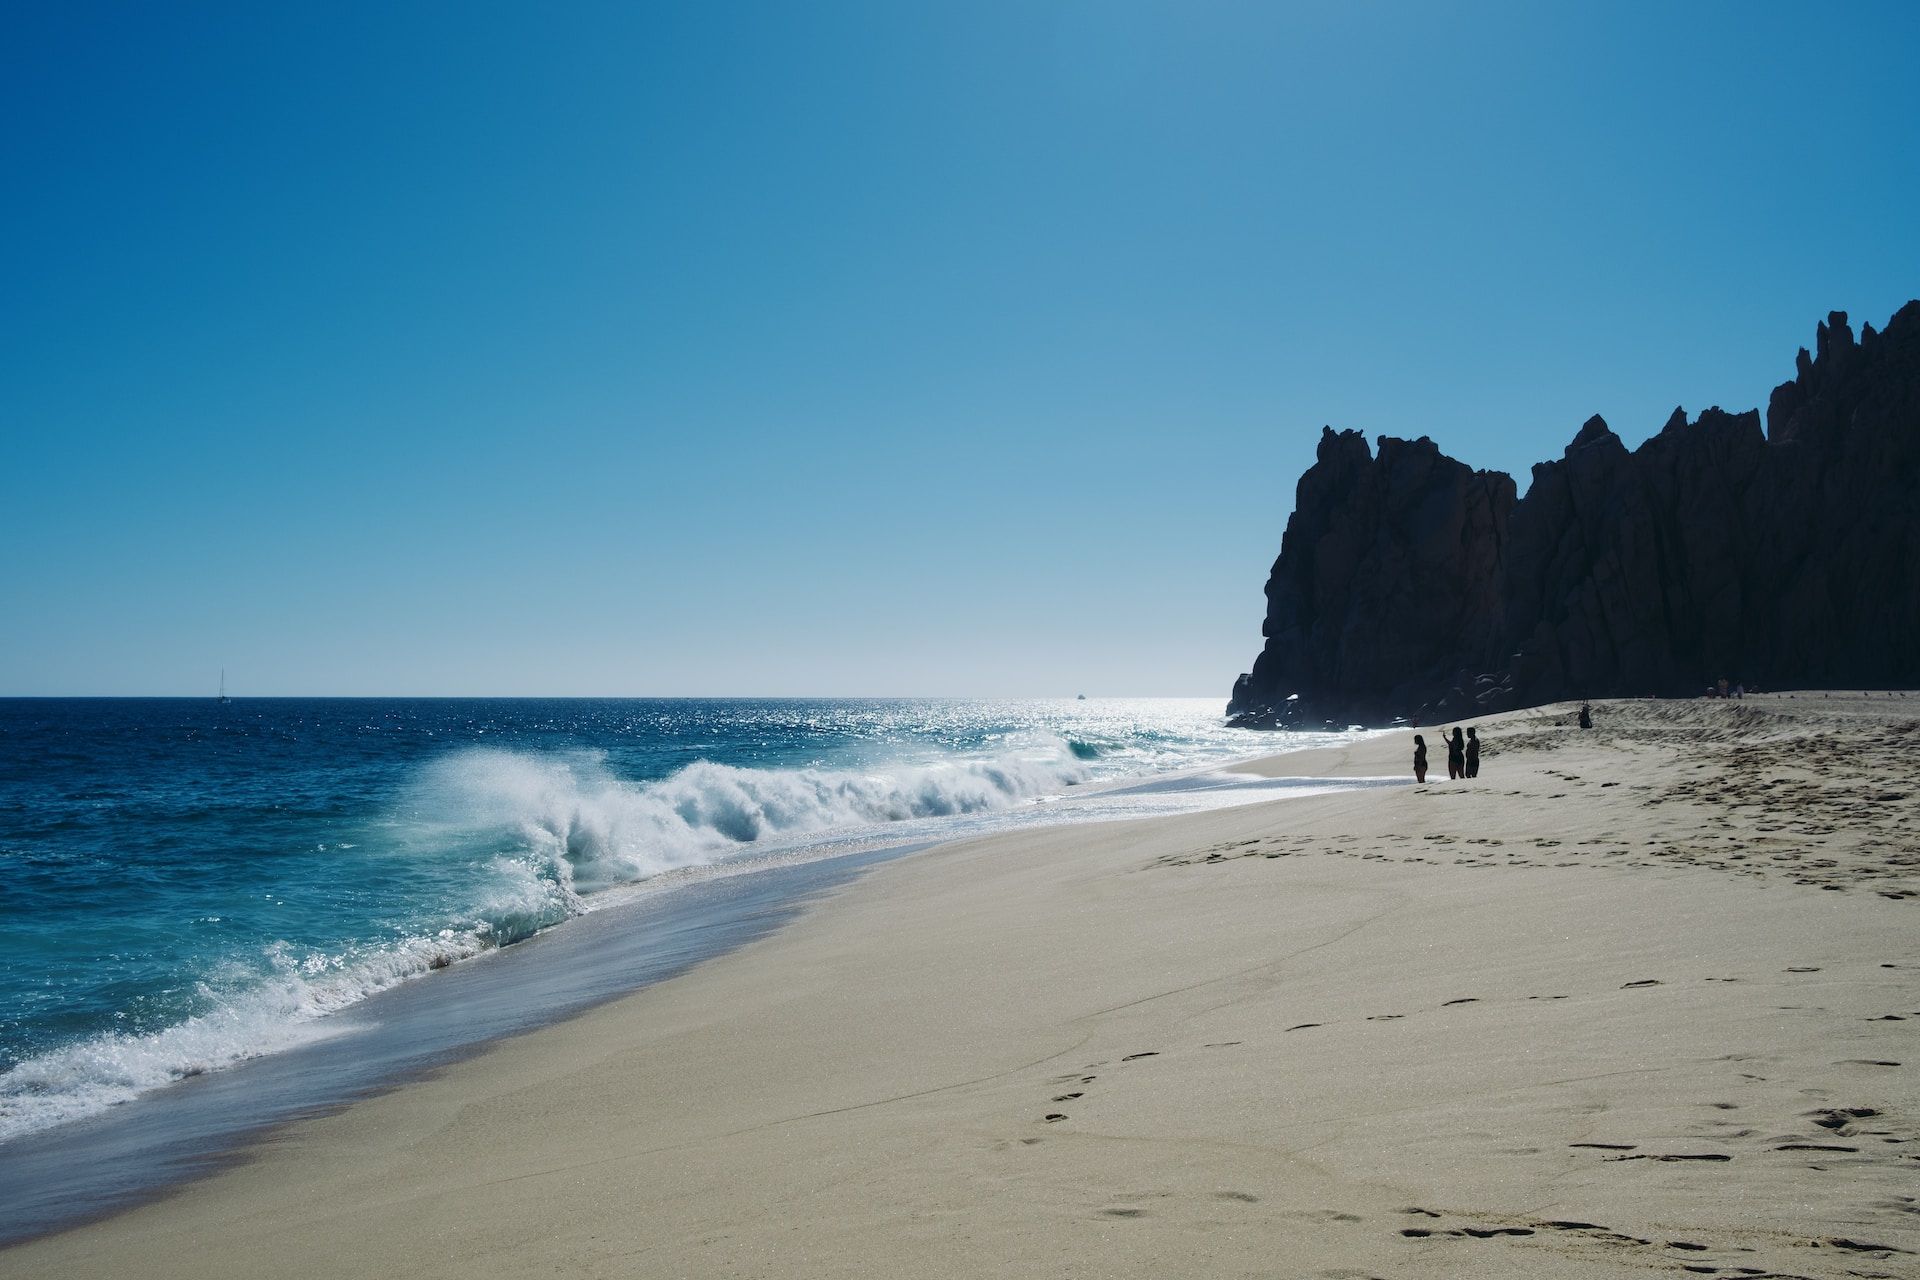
{"x": 879, "y": 348}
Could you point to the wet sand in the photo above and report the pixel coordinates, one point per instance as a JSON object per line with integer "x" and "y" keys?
{"x": 1637, "y": 999}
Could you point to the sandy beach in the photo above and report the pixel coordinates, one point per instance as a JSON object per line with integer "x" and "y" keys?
{"x": 1640, "y": 999}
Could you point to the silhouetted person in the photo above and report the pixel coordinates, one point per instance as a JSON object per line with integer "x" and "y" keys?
{"x": 1473, "y": 754}
{"x": 1457, "y": 755}
{"x": 1419, "y": 758}
{"x": 1586, "y": 716}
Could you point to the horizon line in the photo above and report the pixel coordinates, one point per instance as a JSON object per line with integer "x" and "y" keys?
{"x": 583, "y": 697}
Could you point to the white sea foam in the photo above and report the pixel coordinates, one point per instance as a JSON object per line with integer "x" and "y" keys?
{"x": 587, "y": 830}
{"x": 247, "y": 1016}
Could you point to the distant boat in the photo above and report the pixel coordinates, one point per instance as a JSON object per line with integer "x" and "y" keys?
{"x": 224, "y": 699}
{"x": 1083, "y": 697}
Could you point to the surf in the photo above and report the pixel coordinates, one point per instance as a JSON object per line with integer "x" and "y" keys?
{"x": 533, "y": 838}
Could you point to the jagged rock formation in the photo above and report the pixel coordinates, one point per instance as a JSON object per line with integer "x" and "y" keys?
{"x": 1410, "y": 585}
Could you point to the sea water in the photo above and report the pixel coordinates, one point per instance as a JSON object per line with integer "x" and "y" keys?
{"x": 188, "y": 885}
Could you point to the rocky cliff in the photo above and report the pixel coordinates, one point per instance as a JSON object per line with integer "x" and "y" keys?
{"x": 1410, "y": 585}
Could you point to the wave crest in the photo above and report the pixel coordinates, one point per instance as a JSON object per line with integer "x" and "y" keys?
{"x": 584, "y": 829}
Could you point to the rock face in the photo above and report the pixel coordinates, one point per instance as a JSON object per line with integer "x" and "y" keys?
{"x": 1411, "y": 585}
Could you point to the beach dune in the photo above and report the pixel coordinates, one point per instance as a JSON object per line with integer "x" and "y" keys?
{"x": 1640, "y": 999}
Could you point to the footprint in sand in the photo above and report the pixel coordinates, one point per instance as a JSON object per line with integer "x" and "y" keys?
{"x": 1054, "y": 1117}
{"x": 1861, "y": 1246}
{"x": 1461, "y": 1000}
{"x": 1066, "y": 1097}
{"x": 1595, "y": 1229}
{"x": 1841, "y": 1117}
{"x": 1304, "y": 1025}
{"x": 1644, "y": 982}
{"x": 1151, "y": 1053}
{"x": 1812, "y": 1146}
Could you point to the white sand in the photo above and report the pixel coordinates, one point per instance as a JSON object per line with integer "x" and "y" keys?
{"x": 1597, "y": 1013}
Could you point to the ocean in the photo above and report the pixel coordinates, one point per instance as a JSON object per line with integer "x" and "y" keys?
{"x": 218, "y": 915}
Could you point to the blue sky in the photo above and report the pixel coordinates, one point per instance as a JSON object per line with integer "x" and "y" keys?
{"x": 879, "y": 348}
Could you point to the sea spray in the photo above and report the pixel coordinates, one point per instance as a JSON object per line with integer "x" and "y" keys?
{"x": 584, "y": 829}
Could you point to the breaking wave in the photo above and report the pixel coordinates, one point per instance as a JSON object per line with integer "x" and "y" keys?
{"x": 586, "y": 830}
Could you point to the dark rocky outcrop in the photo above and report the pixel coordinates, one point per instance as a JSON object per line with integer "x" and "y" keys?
{"x": 1409, "y": 584}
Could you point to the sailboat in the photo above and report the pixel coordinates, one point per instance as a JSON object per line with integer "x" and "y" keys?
{"x": 224, "y": 699}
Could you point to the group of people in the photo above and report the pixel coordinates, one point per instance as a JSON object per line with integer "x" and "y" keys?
{"x": 1463, "y": 755}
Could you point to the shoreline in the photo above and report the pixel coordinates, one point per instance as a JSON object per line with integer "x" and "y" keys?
{"x": 1133, "y": 1046}
{"x": 148, "y": 1149}
{"x": 97, "y": 1165}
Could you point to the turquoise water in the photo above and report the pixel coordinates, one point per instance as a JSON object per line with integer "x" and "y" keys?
{"x": 189, "y": 885}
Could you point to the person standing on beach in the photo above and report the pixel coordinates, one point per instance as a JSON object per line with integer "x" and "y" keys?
{"x": 1419, "y": 758}
{"x": 1473, "y": 754}
{"x": 1456, "y": 754}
